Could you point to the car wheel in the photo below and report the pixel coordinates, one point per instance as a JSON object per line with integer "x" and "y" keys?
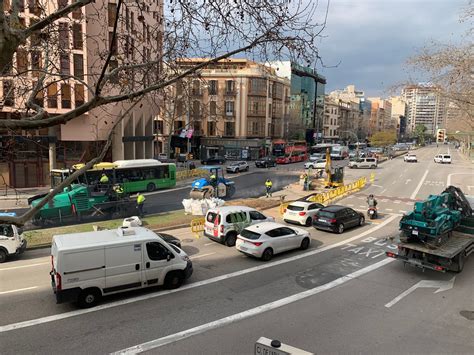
{"x": 3, "y": 256}
{"x": 267, "y": 254}
{"x": 361, "y": 221}
{"x": 308, "y": 222}
{"x": 247, "y": 168}
{"x": 340, "y": 228}
{"x": 150, "y": 187}
{"x": 304, "y": 244}
{"x": 89, "y": 297}
{"x": 372, "y": 166}
{"x": 173, "y": 280}
{"x": 231, "y": 239}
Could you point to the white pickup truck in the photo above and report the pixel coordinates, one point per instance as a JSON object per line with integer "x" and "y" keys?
{"x": 11, "y": 241}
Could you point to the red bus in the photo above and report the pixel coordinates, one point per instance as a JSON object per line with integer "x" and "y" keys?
{"x": 295, "y": 152}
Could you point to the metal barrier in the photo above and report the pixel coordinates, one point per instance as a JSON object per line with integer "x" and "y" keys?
{"x": 197, "y": 226}
{"x": 325, "y": 197}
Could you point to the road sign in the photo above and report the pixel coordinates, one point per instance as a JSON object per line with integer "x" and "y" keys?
{"x": 263, "y": 346}
{"x": 440, "y": 285}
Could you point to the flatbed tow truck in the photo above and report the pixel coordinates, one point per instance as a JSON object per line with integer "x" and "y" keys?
{"x": 450, "y": 255}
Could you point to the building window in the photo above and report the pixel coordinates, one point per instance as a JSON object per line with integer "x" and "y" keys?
{"x": 35, "y": 62}
{"x": 229, "y": 108}
{"x": 78, "y": 95}
{"x": 21, "y": 61}
{"x": 113, "y": 64}
{"x": 213, "y": 108}
{"x": 112, "y": 13}
{"x": 77, "y": 13}
{"x": 213, "y": 87}
{"x": 35, "y": 38}
{"x": 65, "y": 96}
{"x": 132, "y": 22}
{"x": 77, "y": 36}
{"x": 62, "y": 4}
{"x": 52, "y": 95}
{"x": 8, "y": 93}
{"x": 177, "y": 126}
{"x": 63, "y": 36}
{"x": 196, "y": 88}
{"x": 229, "y": 129}
{"x": 258, "y": 86}
{"x": 127, "y": 19}
{"x": 196, "y": 110}
{"x": 113, "y": 43}
{"x": 197, "y": 128}
{"x": 211, "y": 128}
{"x": 229, "y": 87}
{"x": 78, "y": 66}
{"x": 21, "y": 5}
{"x": 64, "y": 64}
{"x": 34, "y": 7}
{"x": 159, "y": 127}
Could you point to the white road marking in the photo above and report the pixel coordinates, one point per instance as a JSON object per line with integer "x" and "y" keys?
{"x": 448, "y": 181}
{"x": 377, "y": 186}
{"x": 388, "y": 209}
{"x": 349, "y": 205}
{"x": 407, "y": 181}
{"x": 211, "y": 243}
{"x": 201, "y": 256}
{"x": 18, "y": 290}
{"x": 23, "y": 266}
{"x": 397, "y": 201}
{"x": 402, "y": 211}
{"x": 172, "y": 338}
{"x": 56, "y": 317}
{"x": 420, "y": 184}
{"x": 361, "y": 206}
{"x": 383, "y": 191}
{"x": 439, "y": 284}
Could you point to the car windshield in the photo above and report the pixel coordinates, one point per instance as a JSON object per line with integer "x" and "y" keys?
{"x": 249, "y": 234}
{"x": 295, "y": 208}
{"x": 175, "y": 248}
{"x": 326, "y": 214}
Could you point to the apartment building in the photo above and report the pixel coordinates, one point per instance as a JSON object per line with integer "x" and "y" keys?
{"x": 381, "y": 115}
{"x": 399, "y": 112}
{"x": 331, "y": 120}
{"x": 74, "y": 52}
{"x": 425, "y": 106}
{"x": 234, "y": 107}
{"x": 343, "y": 121}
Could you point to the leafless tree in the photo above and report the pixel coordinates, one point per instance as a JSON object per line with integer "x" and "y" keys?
{"x": 129, "y": 68}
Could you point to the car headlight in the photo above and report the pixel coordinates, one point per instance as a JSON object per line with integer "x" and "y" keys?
{"x": 185, "y": 258}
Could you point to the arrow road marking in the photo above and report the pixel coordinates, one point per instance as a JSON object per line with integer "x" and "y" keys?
{"x": 407, "y": 181}
{"x": 440, "y": 285}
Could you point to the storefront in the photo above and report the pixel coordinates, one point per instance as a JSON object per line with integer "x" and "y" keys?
{"x": 233, "y": 149}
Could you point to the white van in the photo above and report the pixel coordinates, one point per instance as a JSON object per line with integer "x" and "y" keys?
{"x": 223, "y": 224}
{"x": 442, "y": 159}
{"x": 363, "y": 163}
{"x": 87, "y": 266}
{"x": 11, "y": 241}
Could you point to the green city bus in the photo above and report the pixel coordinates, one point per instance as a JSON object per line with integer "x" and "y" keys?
{"x": 134, "y": 175}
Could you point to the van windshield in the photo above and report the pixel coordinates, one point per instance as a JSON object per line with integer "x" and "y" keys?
{"x": 249, "y": 234}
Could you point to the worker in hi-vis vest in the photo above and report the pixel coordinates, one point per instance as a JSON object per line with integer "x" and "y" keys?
{"x": 140, "y": 203}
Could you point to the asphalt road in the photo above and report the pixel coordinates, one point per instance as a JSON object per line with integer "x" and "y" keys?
{"x": 330, "y": 299}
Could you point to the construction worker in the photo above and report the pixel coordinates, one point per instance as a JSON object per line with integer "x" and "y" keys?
{"x": 140, "y": 203}
{"x": 305, "y": 182}
{"x": 118, "y": 189}
{"x": 268, "y": 187}
{"x": 213, "y": 182}
{"x": 104, "y": 179}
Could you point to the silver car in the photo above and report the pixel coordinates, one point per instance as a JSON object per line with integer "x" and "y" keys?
{"x": 237, "y": 166}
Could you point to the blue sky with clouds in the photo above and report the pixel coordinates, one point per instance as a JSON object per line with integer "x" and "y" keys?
{"x": 373, "y": 38}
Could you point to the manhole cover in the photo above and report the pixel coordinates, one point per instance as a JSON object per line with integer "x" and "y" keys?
{"x": 189, "y": 240}
{"x": 469, "y": 315}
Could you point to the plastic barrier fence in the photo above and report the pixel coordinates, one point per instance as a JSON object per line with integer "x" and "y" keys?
{"x": 332, "y": 194}
{"x": 197, "y": 226}
{"x": 184, "y": 174}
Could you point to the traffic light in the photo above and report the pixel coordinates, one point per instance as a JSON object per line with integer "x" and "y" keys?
{"x": 440, "y": 135}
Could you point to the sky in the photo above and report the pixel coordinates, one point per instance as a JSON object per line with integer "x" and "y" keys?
{"x": 369, "y": 41}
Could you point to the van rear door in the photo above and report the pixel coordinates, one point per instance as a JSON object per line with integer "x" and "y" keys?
{"x": 123, "y": 267}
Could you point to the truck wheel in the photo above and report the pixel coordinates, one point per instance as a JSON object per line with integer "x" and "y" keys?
{"x": 150, "y": 187}
{"x": 3, "y": 256}
{"x": 460, "y": 262}
{"x": 173, "y": 280}
{"x": 231, "y": 239}
{"x": 89, "y": 297}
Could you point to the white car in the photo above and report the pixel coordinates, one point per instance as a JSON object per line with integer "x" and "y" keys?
{"x": 266, "y": 239}
{"x": 237, "y": 166}
{"x": 316, "y": 156}
{"x": 410, "y": 158}
{"x": 442, "y": 159}
{"x": 301, "y": 212}
{"x": 318, "y": 164}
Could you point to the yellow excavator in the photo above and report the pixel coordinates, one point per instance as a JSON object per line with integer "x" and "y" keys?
{"x": 335, "y": 175}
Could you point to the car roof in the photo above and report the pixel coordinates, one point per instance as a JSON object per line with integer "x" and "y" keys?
{"x": 333, "y": 208}
{"x": 300, "y": 203}
{"x": 264, "y": 227}
{"x": 227, "y": 209}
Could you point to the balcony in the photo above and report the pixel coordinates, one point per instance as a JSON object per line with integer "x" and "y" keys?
{"x": 230, "y": 93}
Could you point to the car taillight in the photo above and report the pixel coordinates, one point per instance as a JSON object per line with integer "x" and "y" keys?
{"x": 302, "y": 213}
{"x": 222, "y": 228}
{"x": 58, "y": 282}
{"x": 257, "y": 244}
{"x": 332, "y": 220}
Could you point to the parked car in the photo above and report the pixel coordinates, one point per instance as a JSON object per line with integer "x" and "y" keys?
{"x": 265, "y": 162}
{"x": 337, "y": 218}
{"x": 442, "y": 159}
{"x": 316, "y": 156}
{"x": 363, "y": 163}
{"x": 223, "y": 224}
{"x": 318, "y": 164}
{"x": 301, "y": 212}
{"x": 237, "y": 166}
{"x": 266, "y": 239}
{"x": 11, "y": 239}
{"x": 213, "y": 160}
{"x": 410, "y": 158}
{"x": 87, "y": 266}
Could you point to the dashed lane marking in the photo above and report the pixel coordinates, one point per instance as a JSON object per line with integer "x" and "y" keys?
{"x": 207, "y": 244}
{"x": 23, "y": 266}
{"x": 18, "y": 290}
{"x": 389, "y": 209}
{"x": 200, "y": 256}
{"x": 420, "y": 184}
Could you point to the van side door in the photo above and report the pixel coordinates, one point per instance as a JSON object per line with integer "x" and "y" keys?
{"x": 123, "y": 267}
{"x": 157, "y": 258}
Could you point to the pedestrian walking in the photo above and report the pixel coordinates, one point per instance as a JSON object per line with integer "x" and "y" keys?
{"x": 268, "y": 187}
{"x": 305, "y": 182}
{"x": 140, "y": 203}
